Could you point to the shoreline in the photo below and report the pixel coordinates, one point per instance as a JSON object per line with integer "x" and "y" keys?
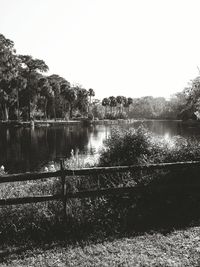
{"x": 52, "y": 123}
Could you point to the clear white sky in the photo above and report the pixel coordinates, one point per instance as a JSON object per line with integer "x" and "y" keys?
{"x": 116, "y": 47}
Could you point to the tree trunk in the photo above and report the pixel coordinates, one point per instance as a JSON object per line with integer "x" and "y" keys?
{"x": 70, "y": 111}
{"x": 54, "y": 110}
{"x": 45, "y": 109}
{"x": 18, "y": 114}
{"x": 29, "y": 109}
{"x": 2, "y": 113}
{"x": 6, "y": 113}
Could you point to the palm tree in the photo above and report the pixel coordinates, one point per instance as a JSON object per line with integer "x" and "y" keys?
{"x": 120, "y": 102}
{"x": 130, "y": 102}
{"x": 82, "y": 99}
{"x": 70, "y": 96}
{"x": 91, "y": 93}
{"x": 56, "y": 83}
{"x": 106, "y": 103}
{"x": 113, "y": 103}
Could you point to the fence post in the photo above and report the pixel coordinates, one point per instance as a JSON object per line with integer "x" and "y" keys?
{"x": 64, "y": 189}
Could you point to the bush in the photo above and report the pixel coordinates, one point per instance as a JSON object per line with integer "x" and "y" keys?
{"x": 176, "y": 202}
{"x": 139, "y": 146}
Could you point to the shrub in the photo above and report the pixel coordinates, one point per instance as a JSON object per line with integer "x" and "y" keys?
{"x": 139, "y": 146}
{"x": 176, "y": 201}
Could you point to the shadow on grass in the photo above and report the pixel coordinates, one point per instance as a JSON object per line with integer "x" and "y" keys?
{"x": 107, "y": 219}
{"x": 159, "y": 209}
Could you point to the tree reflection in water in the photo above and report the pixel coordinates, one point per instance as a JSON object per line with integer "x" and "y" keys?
{"x": 25, "y": 149}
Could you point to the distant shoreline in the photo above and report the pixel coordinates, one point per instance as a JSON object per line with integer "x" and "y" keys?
{"x": 51, "y": 123}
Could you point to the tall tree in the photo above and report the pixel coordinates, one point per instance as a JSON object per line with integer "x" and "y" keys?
{"x": 120, "y": 100}
{"x": 129, "y": 102}
{"x": 9, "y": 62}
{"x": 46, "y": 92}
{"x": 31, "y": 70}
{"x": 9, "y": 67}
{"x": 113, "y": 103}
{"x": 91, "y": 93}
{"x": 56, "y": 82}
{"x": 69, "y": 95}
{"x": 82, "y": 99}
{"x": 106, "y": 103}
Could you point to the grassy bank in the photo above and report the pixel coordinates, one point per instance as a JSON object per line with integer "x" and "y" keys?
{"x": 177, "y": 248}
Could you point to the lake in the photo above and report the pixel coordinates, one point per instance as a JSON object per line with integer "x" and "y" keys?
{"x": 24, "y": 149}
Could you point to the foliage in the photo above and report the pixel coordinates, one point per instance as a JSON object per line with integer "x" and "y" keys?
{"x": 119, "y": 107}
{"x": 26, "y": 92}
{"x": 91, "y": 93}
{"x": 81, "y": 103}
{"x": 9, "y": 62}
{"x": 9, "y": 67}
{"x": 20, "y": 98}
{"x": 139, "y": 146}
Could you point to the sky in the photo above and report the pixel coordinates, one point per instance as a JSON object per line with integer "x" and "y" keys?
{"x": 117, "y": 47}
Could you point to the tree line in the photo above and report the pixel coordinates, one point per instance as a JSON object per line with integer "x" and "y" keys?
{"x": 183, "y": 105}
{"x": 147, "y": 107}
{"x": 27, "y": 93}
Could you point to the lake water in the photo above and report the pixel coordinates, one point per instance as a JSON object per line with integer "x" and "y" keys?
{"x": 24, "y": 149}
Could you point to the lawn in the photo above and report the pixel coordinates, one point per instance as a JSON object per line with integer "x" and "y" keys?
{"x": 177, "y": 248}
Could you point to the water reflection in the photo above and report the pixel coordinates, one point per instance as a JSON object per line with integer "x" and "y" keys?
{"x": 28, "y": 149}
{"x": 24, "y": 149}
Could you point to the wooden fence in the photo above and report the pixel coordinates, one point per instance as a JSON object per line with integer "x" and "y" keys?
{"x": 63, "y": 173}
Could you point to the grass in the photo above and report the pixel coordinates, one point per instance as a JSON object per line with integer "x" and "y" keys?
{"x": 178, "y": 248}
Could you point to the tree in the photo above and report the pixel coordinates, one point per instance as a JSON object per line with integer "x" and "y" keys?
{"x": 106, "y": 103}
{"x": 9, "y": 62}
{"x": 9, "y": 66}
{"x": 91, "y": 93}
{"x": 46, "y": 92}
{"x": 113, "y": 103}
{"x": 56, "y": 82}
{"x": 69, "y": 95}
{"x": 82, "y": 99}
{"x": 120, "y": 100}
{"x": 18, "y": 84}
{"x": 129, "y": 102}
{"x": 31, "y": 71}
{"x": 192, "y": 96}
{"x": 4, "y": 98}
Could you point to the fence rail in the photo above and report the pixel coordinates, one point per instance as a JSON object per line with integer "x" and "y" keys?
{"x": 63, "y": 173}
